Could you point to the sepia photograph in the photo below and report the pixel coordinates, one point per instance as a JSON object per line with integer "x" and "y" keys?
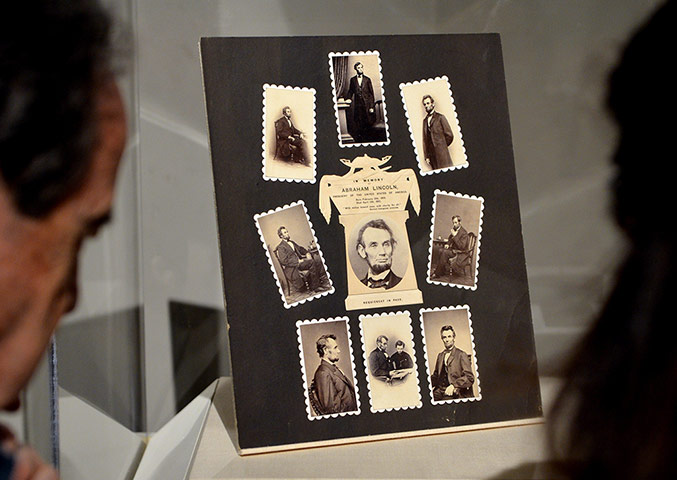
{"x": 390, "y": 361}
{"x": 359, "y": 99}
{"x": 433, "y": 125}
{"x": 378, "y": 251}
{"x": 455, "y": 233}
{"x": 293, "y": 253}
{"x": 449, "y": 349}
{"x": 327, "y": 368}
{"x": 288, "y": 133}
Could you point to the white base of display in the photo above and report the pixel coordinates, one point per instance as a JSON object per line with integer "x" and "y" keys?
{"x": 112, "y": 453}
{"x": 486, "y": 453}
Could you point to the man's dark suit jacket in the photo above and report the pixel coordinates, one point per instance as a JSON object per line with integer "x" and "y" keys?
{"x": 458, "y": 244}
{"x": 459, "y": 373}
{"x": 335, "y": 392}
{"x": 391, "y": 280}
{"x": 436, "y": 140}
{"x": 378, "y": 363}
{"x": 282, "y": 133}
{"x": 290, "y": 262}
{"x": 363, "y": 101}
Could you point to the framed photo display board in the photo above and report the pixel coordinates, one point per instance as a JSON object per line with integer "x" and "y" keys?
{"x": 370, "y": 237}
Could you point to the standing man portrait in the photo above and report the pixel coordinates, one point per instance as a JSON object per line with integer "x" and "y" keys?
{"x": 361, "y": 94}
{"x": 332, "y": 389}
{"x": 62, "y": 133}
{"x": 437, "y": 136}
{"x": 453, "y": 376}
{"x": 290, "y": 145}
{"x": 455, "y": 255}
{"x": 375, "y": 245}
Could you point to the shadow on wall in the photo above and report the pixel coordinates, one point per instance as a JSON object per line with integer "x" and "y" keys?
{"x": 99, "y": 360}
{"x": 200, "y": 352}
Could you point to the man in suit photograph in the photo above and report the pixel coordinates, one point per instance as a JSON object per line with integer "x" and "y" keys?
{"x": 455, "y": 257}
{"x": 295, "y": 259}
{"x": 379, "y": 362}
{"x": 437, "y": 136}
{"x": 361, "y": 94}
{"x": 290, "y": 146}
{"x": 375, "y": 245}
{"x": 332, "y": 389}
{"x": 453, "y": 375}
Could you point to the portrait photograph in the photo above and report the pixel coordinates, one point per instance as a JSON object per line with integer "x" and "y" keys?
{"x": 449, "y": 351}
{"x": 359, "y": 99}
{"x": 455, "y": 233}
{"x": 434, "y": 125}
{"x": 288, "y": 133}
{"x": 293, "y": 253}
{"x": 327, "y": 368}
{"x": 378, "y": 252}
{"x": 390, "y": 361}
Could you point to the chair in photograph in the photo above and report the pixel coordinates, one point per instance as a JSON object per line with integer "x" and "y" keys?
{"x": 468, "y": 269}
{"x": 288, "y": 273}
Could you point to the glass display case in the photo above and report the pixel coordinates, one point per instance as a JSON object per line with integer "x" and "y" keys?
{"x": 149, "y": 335}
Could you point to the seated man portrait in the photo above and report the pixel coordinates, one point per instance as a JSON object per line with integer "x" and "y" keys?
{"x": 290, "y": 145}
{"x": 379, "y": 362}
{"x": 296, "y": 259}
{"x": 453, "y": 375}
{"x": 456, "y": 255}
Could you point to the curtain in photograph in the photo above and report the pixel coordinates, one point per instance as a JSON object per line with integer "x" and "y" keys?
{"x": 341, "y": 76}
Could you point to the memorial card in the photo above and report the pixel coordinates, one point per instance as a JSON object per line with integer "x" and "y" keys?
{"x": 370, "y": 236}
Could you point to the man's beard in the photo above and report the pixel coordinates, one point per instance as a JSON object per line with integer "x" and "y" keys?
{"x": 381, "y": 267}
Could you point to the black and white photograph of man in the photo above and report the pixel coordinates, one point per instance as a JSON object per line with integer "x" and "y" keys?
{"x": 358, "y": 98}
{"x": 294, "y": 254}
{"x": 391, "y": 371}
{"x": 376, "y": 246}
{"x": 290, "y": 145}
{"x": 449, "y": 354}
{"x": 437, "y": 136}
{"x": 289, "y": 133}
{"x": 327, "y": 367}
{"x": 455, "y": 241}
{"x": 434, "y": 125}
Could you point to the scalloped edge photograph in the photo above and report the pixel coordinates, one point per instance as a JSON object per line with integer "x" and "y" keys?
{"x": 439, "y": 90}
{"x": 477, "y": 220}
{"x": 408, "y": 338}
{"x": 467, "y": 337}
{"x": 345, "y": 138}
{"x": 301, "y": 102}
{"x": 309, "y": 346}
{"x": 327, "y": 287}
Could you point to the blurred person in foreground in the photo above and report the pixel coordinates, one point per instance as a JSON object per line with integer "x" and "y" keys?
{"x": 616, "y": 415}
{"x": 62, "y": 133}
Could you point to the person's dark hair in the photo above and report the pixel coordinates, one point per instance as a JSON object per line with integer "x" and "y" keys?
{"x": 356, "y": 64}
{"x": 377, "y": 223}
{"x": 616, "y": 415}
{"x": 432, "y": 100}
{"x": 399, "y": 343}
{"x": 446, "y": 328}
{"x": 321, "y": 343}
{"x": 380, "y": 338}
{"x": 52, "y": 54}
{"x": 279, "y": 231}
